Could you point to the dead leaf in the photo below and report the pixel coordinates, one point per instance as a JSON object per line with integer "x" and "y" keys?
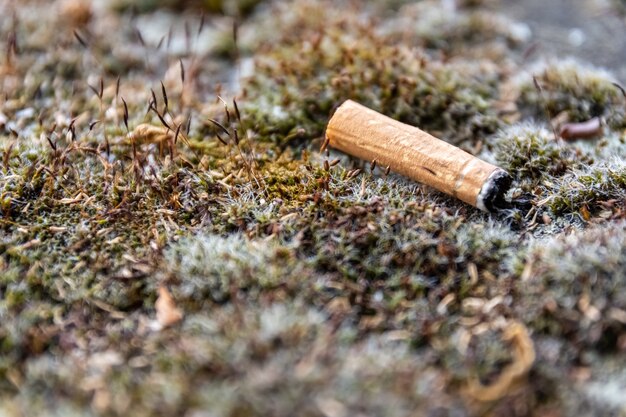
{"x": 166, "y": 311}
{"x": 584, "y": 130}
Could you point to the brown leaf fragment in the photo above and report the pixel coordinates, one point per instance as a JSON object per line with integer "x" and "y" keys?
{"x": 584, "y": 212}
{"x": 167, "y": 313}
{"x": 583, "y": 130}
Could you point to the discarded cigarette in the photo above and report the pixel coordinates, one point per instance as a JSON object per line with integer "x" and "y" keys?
{"x": 583, "y": 130}
{"x": 366, "y": 134}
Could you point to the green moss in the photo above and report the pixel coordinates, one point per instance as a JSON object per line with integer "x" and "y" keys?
{"x": 465, "y": 33}
{"x": 212, "y": 268}
{"x": 580, "y": 91}
{"x": 575, "y": 287}
{"x": 308, "y": 80}
{"x": 307, "y": 281}
{"x": 562, "y": 177}
{"x": 593, "y": 188}
{"x": 533, "y": 156}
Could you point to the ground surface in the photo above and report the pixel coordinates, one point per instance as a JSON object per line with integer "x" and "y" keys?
{"x": 173, "y": 242}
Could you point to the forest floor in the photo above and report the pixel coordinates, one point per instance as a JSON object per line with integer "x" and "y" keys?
{"x": 174, "y": 242}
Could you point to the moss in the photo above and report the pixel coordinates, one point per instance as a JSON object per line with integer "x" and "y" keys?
{"x": 591, "y": 189}
{"x": 489, "y": 35}
{"x": 307, "y": 281}
{"x": 312, "y": 74}
{"x": 212, "y": 268}
{"x": 576, "y": 288}
{"x": 563, "y": 178}
{"x": 581, "y": 91}
{"x": 533, "y": 156}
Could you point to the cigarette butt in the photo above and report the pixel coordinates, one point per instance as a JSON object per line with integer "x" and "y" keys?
{"x": 409, "y": 151}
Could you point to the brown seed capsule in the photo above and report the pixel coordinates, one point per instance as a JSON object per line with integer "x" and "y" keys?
{"x": 407, "y": 150}
{"x": 324, "y": 145}
{"x": 354, "y": 173}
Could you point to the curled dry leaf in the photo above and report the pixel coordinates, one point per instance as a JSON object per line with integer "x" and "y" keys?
{"x": 583, "y": 130}
{"x": 523, "y": 359}
{"x": 166, "y": 311}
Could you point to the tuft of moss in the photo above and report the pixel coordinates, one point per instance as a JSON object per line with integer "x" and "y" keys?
{"x": 574, "y": 288}
{"x": 318, "y": 66}
{"x": 581, "y": 91}
{"x": 532, "y": 155}
{"x": 487, "y": 34}
{"x": 587, "y": 189}
{"x": 213, "y": 268}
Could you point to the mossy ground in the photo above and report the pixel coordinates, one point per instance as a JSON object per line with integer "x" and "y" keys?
{"x": 310, "y": 283}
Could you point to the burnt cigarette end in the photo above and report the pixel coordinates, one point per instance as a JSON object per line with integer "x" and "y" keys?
{"x": 492, "y": 194}
{"x": 409, "y": 151}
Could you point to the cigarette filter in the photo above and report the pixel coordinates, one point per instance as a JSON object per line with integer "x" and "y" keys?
{"x": 407, "y": 150}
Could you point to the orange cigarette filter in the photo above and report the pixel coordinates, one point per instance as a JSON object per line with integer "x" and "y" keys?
{"x": 407, "y": 150}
